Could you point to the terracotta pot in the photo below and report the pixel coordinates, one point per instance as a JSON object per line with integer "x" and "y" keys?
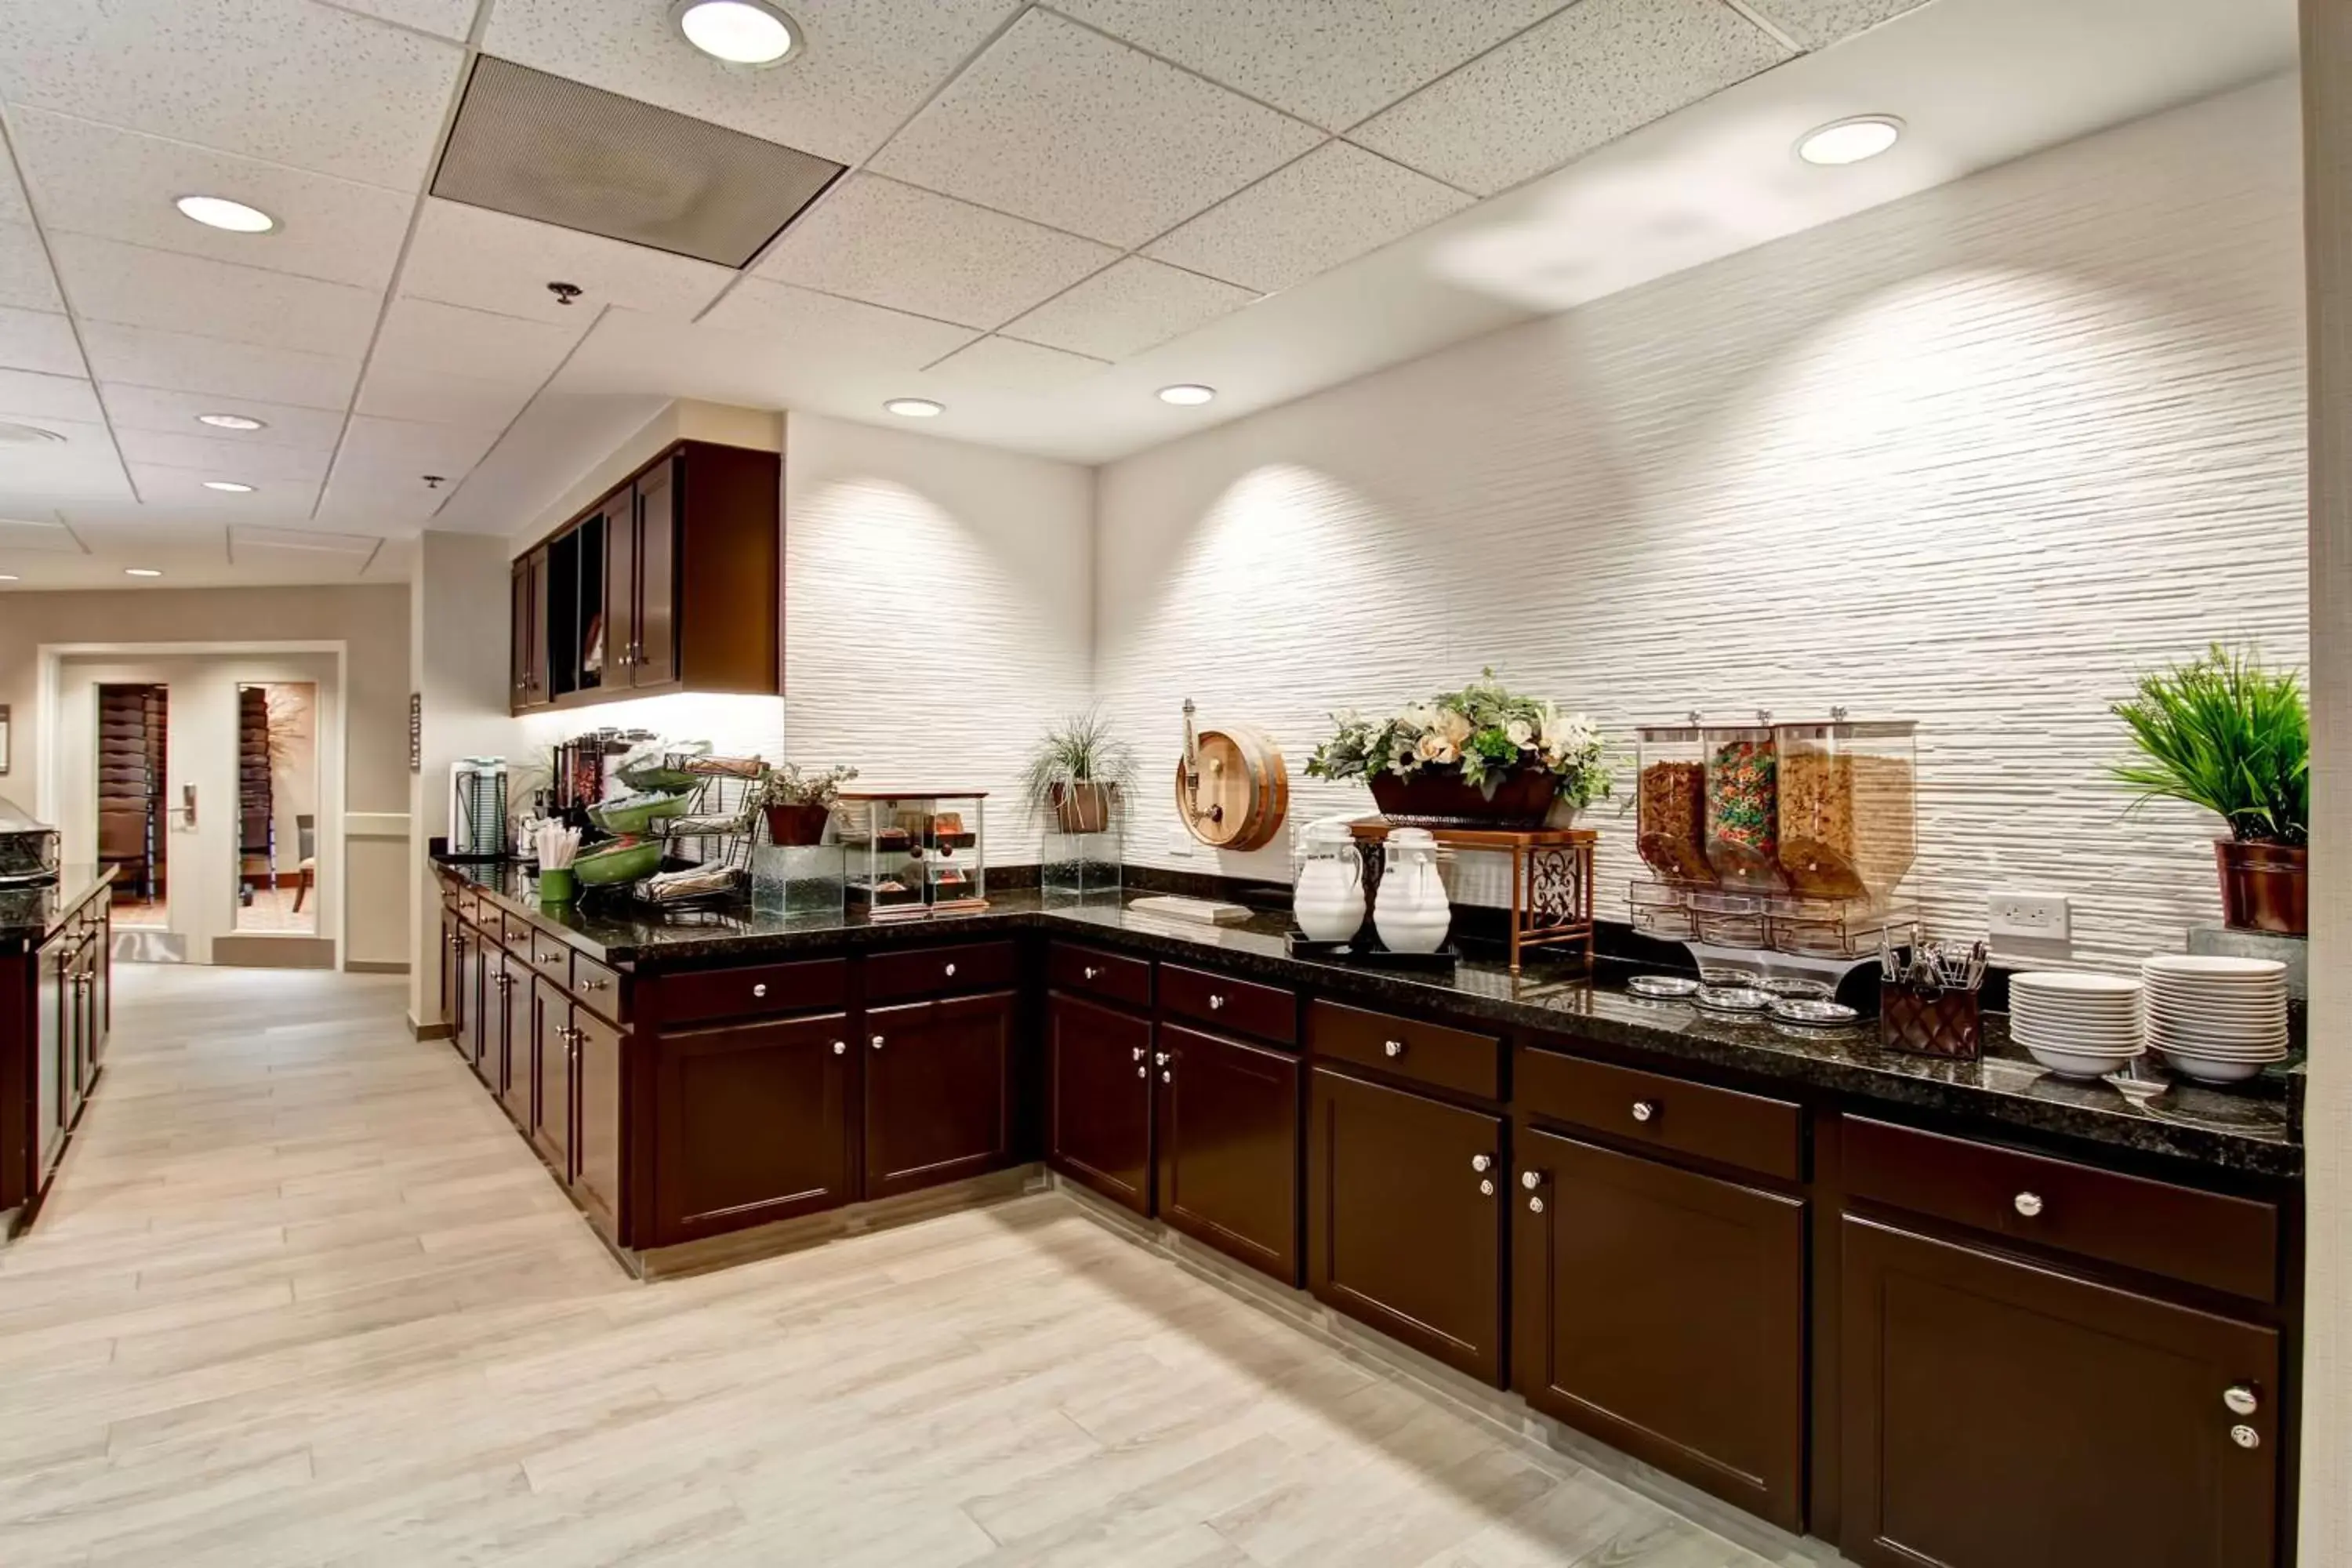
{"x": 802, "y": 823}
{"x": 1083, "y": 807}
{"x": 2264, "y": 887}
{"x": 1437, "y": 798}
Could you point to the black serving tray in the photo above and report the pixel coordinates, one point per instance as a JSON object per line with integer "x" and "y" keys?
{"x": 1368, "y": 954}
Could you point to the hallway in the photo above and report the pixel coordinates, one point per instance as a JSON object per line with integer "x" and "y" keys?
{"x": 303, "y": 1297}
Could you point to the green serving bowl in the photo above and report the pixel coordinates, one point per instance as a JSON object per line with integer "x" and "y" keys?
{"x": 636, "y": 816}
{"x": 630, "y": 860}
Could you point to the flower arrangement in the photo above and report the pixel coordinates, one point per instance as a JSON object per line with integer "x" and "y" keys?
{"x": 1077, "y": 770}
{"x": 1485, "y": 730}
{"x": 786, "y": 785}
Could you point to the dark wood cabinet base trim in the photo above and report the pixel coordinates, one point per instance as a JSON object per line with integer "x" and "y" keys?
{"x": 806, "y": 1231}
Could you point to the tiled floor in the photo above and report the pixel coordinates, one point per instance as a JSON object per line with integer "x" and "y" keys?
{"x": 303, "y": 1297}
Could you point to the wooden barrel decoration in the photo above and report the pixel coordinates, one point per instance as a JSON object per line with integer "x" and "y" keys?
{"x": 1232, "y": 786}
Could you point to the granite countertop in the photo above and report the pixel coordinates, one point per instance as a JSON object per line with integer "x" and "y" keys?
{"x": 28, "y": 915}
{"x": 2251, "y": 1130}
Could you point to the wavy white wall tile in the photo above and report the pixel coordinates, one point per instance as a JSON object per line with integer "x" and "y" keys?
{"x": 1974, "y": 458}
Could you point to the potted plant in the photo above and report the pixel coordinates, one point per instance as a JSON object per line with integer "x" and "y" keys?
{"x": 1076, "y": 773}
{"x": 2226, "y": 734}
{"x": 1484, "y": 756}
{"x": 798, "y": 805}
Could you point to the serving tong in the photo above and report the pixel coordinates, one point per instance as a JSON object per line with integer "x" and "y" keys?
{"x": 1931, "y": 966}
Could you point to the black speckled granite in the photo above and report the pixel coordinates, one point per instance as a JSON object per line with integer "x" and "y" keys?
{"x": 2251, "y": 1132}
{"x": 28, "y": 915}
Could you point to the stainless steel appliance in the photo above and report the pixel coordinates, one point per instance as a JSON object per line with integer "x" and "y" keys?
{"x": 29, "y": 850}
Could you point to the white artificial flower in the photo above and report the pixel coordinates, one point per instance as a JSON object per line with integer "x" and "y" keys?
{"x": 1438, "y": 749}
{"x": 1520, "y": 733}
{"x": 1454, "y": 727}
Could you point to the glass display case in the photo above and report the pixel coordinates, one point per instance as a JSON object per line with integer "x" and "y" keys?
{"x": 915, "y": 852}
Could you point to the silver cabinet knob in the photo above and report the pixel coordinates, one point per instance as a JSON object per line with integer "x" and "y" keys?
{"x": 877, "y": 1042}
{"x": 1159, "y": 1058}
{"x": 1393, "y": 1047}
{"x": 1143, "y": 1072}
{"x": 1481, "y": 1163}
{"x": 1138, "y": 1054}
{"x": 1091, "y": 972}
{"x": 1216, "y": 1004}
{"x": 2246, "y": 1436}
{"x": 950, "y": 972}
{"x": 841, "y": 1048}
{"x": 761, "y": 989}
{"x": 2240, "y": 1400}
{"x": 1531, "y": 1180}
{"x": 1646, "y": 1111}
{"x": 1166, "y": 1077}
{"x": 1534, "y": 1206}
{"x": 1487, "y": 1188}
{"x": 2029, "y": 1204}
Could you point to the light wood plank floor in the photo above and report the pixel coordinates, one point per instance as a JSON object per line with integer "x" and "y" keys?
{"x": 303, "y": 1297}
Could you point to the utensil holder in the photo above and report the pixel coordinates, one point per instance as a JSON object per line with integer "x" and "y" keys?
{"x": 558, "y": 886}
{"x": 1930, "y": 1021}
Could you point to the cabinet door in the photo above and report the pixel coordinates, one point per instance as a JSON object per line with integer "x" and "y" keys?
{"x": 1404, "y": 1229}
{"x": 506, "y": 1000}
{"x": 470, "y": 957}
{"x": 1228, "y": 1125}
{"x": 535, "y": 689}
{"x": 1664, "y": 1313}
{"x": 1998, "y": 1414}
{"x": 596, "y": 1119}
{"x": 552, "y": 1049}
{"x": 101, "y": 986}
{"x": 449, "y": 970}
{"x": 621, "y": 589}
{"x": 939, "y": 1082}
{"x": 519, "y": 618}
{"x": 85, "y": 1020}
{"x": 52, "y": 1059}
{"x": 654, "y": 651}
{"x": 1098, "y": 1099}
{"x": 752, "y": 1123}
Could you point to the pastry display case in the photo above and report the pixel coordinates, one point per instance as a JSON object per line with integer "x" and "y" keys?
{"x": 915, "y": 853}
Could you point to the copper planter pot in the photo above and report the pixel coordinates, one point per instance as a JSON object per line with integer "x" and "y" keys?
{"x": 1438, "y": 797}
{"x": 1082, "y": 807}
{"x": 797, "y": 824}
{"x": 2264, "y": 887}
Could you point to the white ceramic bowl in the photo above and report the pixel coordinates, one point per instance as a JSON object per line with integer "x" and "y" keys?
{"x": 2212, "y": 1069}
{"x": 2212, "y": 966}
{"x": 2078, "y": 1064}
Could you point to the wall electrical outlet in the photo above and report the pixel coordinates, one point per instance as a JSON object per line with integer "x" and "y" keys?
{"x": 2019, "y": 913}
{"x": 1179, "y": 841}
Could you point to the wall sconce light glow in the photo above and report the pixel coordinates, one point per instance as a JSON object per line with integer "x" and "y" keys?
{"x": 1850, "y": 140}
{"x": 915, "y": 407}
{"x": 141, "y": 571}
{"x": 228, "y": 486}
{"x": 219, "y": 212}
{"x": 739, "y": 32}
{"x": 1189, "y": 394}
{"x": 7, "y": 577}
{"x": 230, "y": 422}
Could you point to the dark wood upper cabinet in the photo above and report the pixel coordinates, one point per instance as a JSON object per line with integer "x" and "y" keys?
{"x": 1098, "y": 1099}
{"x": 1404, "y": 1228}
{"x": 754, "y": 1124}
{"x": 1228, "y": 1146}
{"x": 2000, "y": 1414}
{"x": 672, "y": 582}
{"x": 938, "y": 1091}
{"x": 1664, "y": 1313}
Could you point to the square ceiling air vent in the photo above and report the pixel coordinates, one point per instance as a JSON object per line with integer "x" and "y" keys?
{"x": 543, "y": 147}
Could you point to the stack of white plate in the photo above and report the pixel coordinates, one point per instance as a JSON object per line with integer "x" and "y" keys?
{"x": 2078, "y": 1025}
{"x": 2214, "y": 1018}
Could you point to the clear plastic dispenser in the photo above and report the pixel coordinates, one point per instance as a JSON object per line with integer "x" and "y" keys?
{"x": 915, "y": 853}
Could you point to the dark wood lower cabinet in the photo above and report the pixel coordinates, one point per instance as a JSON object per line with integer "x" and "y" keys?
{"x": 53, "y": 1060}
{"x": 1228, "y": 1147}
{"x": 1399, "y": 1233}
{"x": 597, "y": 1149}
{"x": 2000, "y": 1414}
{"x": 754, "y": 1124}
{"x": 506, "y": 1001}
{"x": 1664, "y": 1313}
{"x": 551, "y": 1107}
{"x": 938, "y": 1091}
{"x": 1098, "y": 1099}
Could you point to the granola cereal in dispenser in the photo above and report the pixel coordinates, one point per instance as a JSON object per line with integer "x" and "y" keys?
{"x": 1743, "y": 807}
{"x": 1671, "y": 803}
{"x": 1848, "y": 802}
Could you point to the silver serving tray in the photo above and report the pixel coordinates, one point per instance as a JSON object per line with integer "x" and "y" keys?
{"x": 1668, "y": 987}
{"x": 1732, "y": 998}
{"x": 1813, "y": 1013}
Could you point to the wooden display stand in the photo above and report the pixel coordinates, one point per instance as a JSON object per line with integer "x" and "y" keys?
{"x": 1552, "y": 878}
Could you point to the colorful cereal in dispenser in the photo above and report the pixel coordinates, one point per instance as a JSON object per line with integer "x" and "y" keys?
{"x": 1743, "y": 807}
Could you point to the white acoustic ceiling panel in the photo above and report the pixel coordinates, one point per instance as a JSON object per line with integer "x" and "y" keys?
{"x": 175, "y": 413}
{"x": 94, "y": 179}
{"x": 407, "y": 445}
{"x": 370, "y": 493}
{"x": 1329, "y": 61}
{"x": 863, "y": 65}
{"x": 449, "y": 19}
{"x": 144, "y": 356}
{"x": 1057, "y": 124}
{"x": 1593, "y": 73}
{"x": 890, "y": 244}
{"x": 1816, "y": 23}
{"x": 494, "y": 261}
{"x": 80, "y": 463}
{"x": 1128, "y": 308}
{"x": 289, "y": 80}
{"x": 29, "y": 534}
{"x": 133, "y": 286}
{"x": 1008, "y": 365}
{"x": 253, "y": 463}
{"x": 37, "y": 339}
{"x": 425, "y": 334}
{"x": 28, "y": 395}
{"x": 26, "y": 283}
{"x": 175, "y": 489}
{"x": 431, "y": 396}
{"x": 812, "y": 327}
{"x": 1330, "y": 208}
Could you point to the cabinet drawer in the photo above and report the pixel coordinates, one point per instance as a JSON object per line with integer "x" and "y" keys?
{"x": 1109, "y": 975}
{"x": 545, "y": 955}
{"x": 751, "y": 991}
{"x": 928, "y": 970}
{"x": 1442, "y": 1058}
{"x": 2204, "y": 1239}
{"x": 1697, "y": 1119}
{"x": 596, "y": 986}
{"x": 470, "y": 903}
{"x": 1266, "y": 1011}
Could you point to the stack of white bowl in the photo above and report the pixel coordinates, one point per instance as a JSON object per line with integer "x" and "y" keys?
{"x": 2216, "y": 1019}
{"x": 2078, "y": 1025}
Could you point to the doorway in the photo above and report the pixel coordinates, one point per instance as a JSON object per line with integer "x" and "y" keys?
{"x": 133, "y": 722}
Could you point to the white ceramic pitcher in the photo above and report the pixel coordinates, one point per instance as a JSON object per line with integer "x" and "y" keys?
{"x": 1412, "y": 913}
{"x": 1327, "y": 900}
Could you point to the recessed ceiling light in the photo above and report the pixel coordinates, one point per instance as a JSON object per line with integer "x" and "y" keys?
{"x": 915, "y": 407}
{"x": 1850, "y": 140}
{"x": 1187, "y": 396}
{"x": 15, "y": 435}
{"x": 219, "y": 212}
{"x": 230, "y": 422}
{"x": 141, "y": 571}
{"x": 228, "y": 486}
{"x": 739, "y": 32}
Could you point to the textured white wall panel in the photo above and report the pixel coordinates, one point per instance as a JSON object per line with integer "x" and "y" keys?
{"x": 1973, "y": 458}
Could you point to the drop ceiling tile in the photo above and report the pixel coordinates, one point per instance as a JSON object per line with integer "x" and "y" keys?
{"x": 405, "y": 445}
{"x": 864, "y": 65}
{"x": 83, "y": 463}
{"x": 889, "y": 244}
{"x": 142, "y": 356}
{"x": 1593, "y": 73}
{"x": 1126, "y": 308}
{"x": 174, "y": 414}
{"x": 26, "y": 534}
{"x": 1331, "y": 206}
{"x": 40, "y": 341}
{"x": 1058, "y": 123}
{"x": 424, "y": 334}
{"x": 119, "y": 184}
{"x": 250, "y": 463}
{"x": 1330, "y": 61}
{"x": 813, "y": 325}
{"x": 1011, "y": 366}
{"x": 449, "y": 19}
{"x": 25, "y": 280}
{"x": 1817, "y": 23}
{"x": 429, "y": 397}
{"x": 287, "y": 80}
{"x": 13, "y": 207}
{"x": 135, "y": 286}
{"x": 494, "y": 261}
{"x": 27, "y": 394}
{"x": 379, "y": 493}
{"x": 162, "y": 484}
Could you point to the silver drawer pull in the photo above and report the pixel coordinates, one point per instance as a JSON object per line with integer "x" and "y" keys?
{"x": 1534, "y": 1206}
{"x": 1487, "y": 1189}
{"x": 1531, "y": 1180}
{"x": 2240, "y": 1400}
{"x": 1138, "y": 1054}
{"x": 1159, "y": 1058}
{"x": 2246, "y": 1436}
{"x": 2029, "y": 1204}
{"x": 1645, "y": 1111}
{"x": 950, "y": 972}
{"x": 1481, "y": 1163}
{"x": 1143, "y": 1072}
{"x": 596, "y": 985}
{"x": 1394, "y": 1048}
{"x": 1216, "y": 1004}
{"x": 761, "y": 989}
{"x": 841, "y": 1048}
{"x": 1165, "y": 1077}
{"x": 1092, "y": 972}
{"x": 877, "y": 1042}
